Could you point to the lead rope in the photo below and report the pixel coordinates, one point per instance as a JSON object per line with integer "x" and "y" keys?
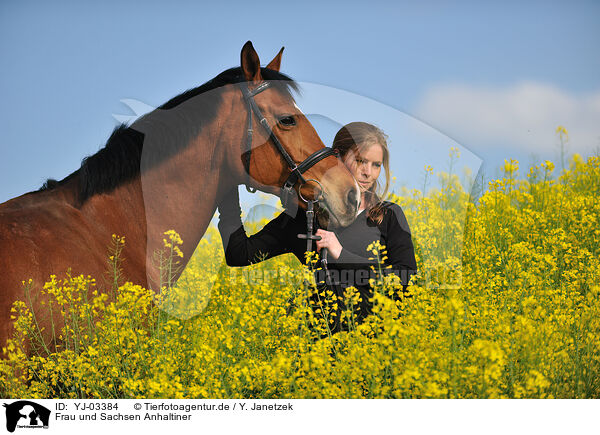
{"x": 320, "y": 284}
{"x": 326, "y": 282}
{"x": 309, "y": 237}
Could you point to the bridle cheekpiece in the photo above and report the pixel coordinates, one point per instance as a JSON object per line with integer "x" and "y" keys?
{"x": 296, "y": 170}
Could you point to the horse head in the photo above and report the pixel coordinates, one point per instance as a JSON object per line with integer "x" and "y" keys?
{"x": 284, "y": 139}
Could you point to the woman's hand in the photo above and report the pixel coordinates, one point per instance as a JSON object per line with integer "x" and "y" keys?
{"x": 330, "y": 241}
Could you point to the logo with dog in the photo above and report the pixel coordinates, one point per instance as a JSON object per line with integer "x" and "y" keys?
{"x": 25, "y": 414}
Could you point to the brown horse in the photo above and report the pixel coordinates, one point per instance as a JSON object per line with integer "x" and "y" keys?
{"x": 165, "y": 171}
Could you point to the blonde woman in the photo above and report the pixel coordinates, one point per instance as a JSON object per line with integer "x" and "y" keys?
{"x": 363, "y": 149}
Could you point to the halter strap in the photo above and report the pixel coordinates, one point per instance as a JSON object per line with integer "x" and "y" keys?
{"x": 249, "y": 97}
{"x": 296, "y": 169}
{"x": 309, "y": 162}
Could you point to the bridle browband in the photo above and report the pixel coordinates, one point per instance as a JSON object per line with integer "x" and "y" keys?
{"x": 296, "y": 169}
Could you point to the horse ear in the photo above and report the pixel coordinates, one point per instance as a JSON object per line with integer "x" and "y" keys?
{"x": 250, "y": 63}
{"x": 275, "y": 64}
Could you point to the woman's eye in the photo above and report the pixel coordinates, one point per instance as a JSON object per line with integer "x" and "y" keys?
{"x": 287, "y": 121}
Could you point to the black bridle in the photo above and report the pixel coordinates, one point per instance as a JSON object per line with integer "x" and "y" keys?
{"x": 296, "y": 169}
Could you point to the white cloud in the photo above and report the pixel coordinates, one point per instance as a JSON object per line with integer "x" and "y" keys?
{"x": 523, "y": 116}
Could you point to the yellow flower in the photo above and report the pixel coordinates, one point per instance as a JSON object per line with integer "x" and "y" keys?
{"x": 505, "y": 305}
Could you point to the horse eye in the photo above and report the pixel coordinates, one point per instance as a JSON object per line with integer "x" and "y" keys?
{"x": 287, "y": 121}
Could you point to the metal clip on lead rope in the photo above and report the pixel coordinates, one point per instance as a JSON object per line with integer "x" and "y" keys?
{"x": 310, "y": 213}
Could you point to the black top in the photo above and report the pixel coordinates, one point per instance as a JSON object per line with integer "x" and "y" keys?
{"x": 352, "y": 268}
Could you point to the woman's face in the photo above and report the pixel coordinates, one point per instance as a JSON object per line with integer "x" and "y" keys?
{"x": 365, "y": 165}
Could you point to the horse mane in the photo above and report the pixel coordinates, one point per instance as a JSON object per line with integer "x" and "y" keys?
{"x": 119, "y": 161}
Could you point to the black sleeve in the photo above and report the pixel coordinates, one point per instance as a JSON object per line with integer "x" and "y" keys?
{"x": 241, "y": 250}
{"x": 399, "y": 245}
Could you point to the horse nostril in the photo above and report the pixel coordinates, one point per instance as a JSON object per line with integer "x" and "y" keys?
{"x": 353, "y": 199}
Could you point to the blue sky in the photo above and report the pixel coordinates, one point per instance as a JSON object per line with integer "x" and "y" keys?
{"x": 493, "y": 78}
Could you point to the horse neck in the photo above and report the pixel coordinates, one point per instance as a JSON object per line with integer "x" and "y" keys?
{"x": 169, "y": 197}
{"x": 181, "y": 194}
{"x": 182, "y": 175}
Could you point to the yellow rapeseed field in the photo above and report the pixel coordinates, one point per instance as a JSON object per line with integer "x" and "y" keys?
{"x": 506, "y": 305}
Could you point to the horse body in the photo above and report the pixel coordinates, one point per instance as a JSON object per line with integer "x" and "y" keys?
{"x": 175, "y": 187}
{"x": 45, "y": 233}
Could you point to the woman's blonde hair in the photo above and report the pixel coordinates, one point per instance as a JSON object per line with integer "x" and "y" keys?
{"x": 358, "y": 137}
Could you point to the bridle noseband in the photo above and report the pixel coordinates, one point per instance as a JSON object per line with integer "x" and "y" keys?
{"x": 296, "y": 169}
